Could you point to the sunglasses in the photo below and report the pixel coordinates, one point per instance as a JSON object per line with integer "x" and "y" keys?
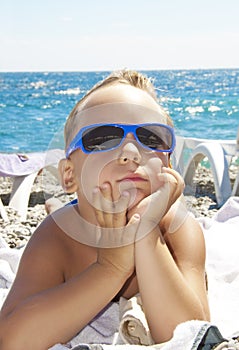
{"x": 106, "y": 137}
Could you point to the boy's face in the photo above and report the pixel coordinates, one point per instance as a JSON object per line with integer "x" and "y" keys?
{"x": 129, "y": 167}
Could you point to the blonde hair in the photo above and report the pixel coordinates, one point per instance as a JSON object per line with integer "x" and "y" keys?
{"x": 124, "y": 76}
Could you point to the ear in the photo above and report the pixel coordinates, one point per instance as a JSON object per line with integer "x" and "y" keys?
{"x": 68, "y": 179}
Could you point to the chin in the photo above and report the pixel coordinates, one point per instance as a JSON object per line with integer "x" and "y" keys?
{"x": 136, "y": 198}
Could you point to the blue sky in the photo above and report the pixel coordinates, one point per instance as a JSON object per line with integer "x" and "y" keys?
{"x": 77, "y": 35}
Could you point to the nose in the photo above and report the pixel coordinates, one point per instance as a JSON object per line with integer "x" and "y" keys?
{"x": 129, "y": 151}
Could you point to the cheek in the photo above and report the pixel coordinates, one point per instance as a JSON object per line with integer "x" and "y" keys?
{"x": 106, "y": 174}
{"x": 95, "y": 170}
{"x": 110, "y": 174}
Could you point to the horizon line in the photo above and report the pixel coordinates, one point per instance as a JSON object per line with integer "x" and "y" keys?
{"x": 115, "y": 69}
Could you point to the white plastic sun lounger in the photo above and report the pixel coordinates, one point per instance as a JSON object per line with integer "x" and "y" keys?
{"x": 23, "y": 169}
{"x": 191, "y": 151}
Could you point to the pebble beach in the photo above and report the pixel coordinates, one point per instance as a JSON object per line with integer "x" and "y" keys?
{"x": 201, "y": 202}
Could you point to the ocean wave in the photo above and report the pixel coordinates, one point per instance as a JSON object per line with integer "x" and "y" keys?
{"x": 213, "y": 109}
{"x": 38, "y": 84}
{"x": 170, "y": 99}
{"x": 74, "y": 91}
{"x": 46, "y": 106}
{"x": 194, "y": 110}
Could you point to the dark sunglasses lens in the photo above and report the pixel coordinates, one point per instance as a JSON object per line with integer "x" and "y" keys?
{"x": 101, "y": 138}
{"x": 155, "y": 137}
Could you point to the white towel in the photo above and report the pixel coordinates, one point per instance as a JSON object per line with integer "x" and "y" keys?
{"x": 102, "y": 329}
{"x": 133, "y": 327}
{"x": 187, "y": 336}
{"x": 9, "y": 260}
{"x": 222, "y": 265}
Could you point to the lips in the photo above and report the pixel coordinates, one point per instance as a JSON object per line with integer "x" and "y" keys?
{"x": 133, "y": 177}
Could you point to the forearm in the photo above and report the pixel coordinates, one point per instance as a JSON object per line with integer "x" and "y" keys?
{"x": 57, "y": 314}
{"x": 167, "y": 298}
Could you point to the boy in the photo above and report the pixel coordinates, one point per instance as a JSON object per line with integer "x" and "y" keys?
{"x": 128, "y": 233}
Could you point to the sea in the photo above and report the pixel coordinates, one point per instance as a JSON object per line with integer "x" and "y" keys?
{"x": 34, "y": 105}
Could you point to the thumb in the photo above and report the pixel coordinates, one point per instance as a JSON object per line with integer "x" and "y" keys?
{"x": 134, "y": 220}
{"x": 131, "y": 229}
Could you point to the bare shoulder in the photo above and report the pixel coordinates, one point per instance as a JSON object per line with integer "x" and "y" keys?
{"x": 52, "y": 244}
{"x": 49, "y": 237}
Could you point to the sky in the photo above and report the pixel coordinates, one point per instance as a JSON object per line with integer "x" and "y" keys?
{"x": 89, "y": 35}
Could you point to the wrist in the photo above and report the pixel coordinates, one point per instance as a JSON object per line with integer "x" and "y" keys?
{"x": 115, "y": 270}
{"x": 150, "y": 239}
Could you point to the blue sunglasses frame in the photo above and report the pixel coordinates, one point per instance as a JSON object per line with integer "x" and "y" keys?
{"x": 127, "y": 128}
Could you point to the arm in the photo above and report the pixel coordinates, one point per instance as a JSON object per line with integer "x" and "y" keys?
{"x": 170, "y": 267}
{"x": 43, "y": 309}
{"x": 171, "y": 278}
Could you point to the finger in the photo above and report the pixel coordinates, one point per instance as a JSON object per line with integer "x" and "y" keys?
{"x": 153, "y": 207}
{"x": 96, "y": 203}
{"x": 121, "y": 207}
{"x": 172, "y": 182}
{"x": 130, "y": 233}
{"x": 134, "y": 221}
{"x": 107, "y": 204}
{"x": 171, "y": 188}
{"x": 177, "y": 177}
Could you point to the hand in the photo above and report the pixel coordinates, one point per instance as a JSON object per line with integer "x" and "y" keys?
{"x": 152, "y": 208}
{"x": 116, "y": 236}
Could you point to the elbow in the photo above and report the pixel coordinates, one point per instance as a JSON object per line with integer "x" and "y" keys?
{"x": 13, "y": 342}
{"x": 9, "y": 344}
{"x": 18, "y": 334}
{"x": 13, "y": 337}
{"x": 9, "y": 339}
{"x": 8, "y": 333}
{"x": 3, "y": 335}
